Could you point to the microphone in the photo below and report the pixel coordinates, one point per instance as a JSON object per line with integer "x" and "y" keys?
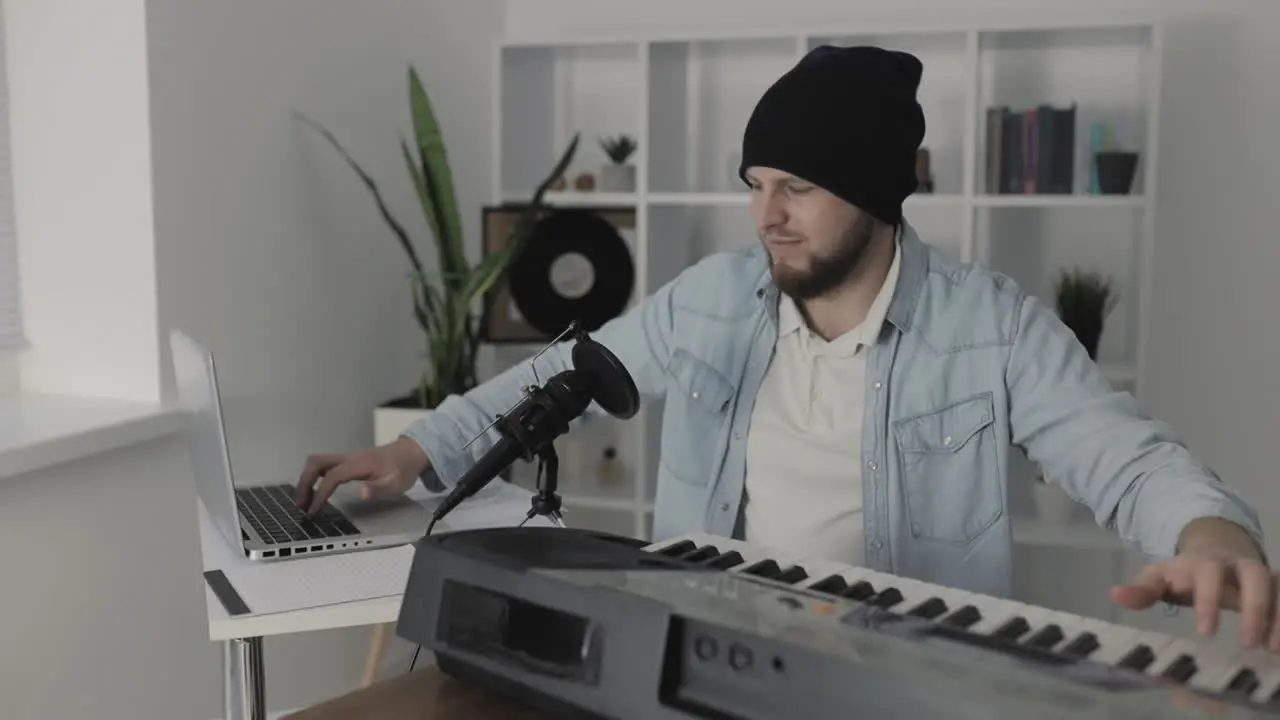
{"x": 530, "y": 428}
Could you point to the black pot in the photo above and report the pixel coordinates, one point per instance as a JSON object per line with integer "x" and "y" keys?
{"x": 1089, "y": 334}
{"x": 1116, "y": 170}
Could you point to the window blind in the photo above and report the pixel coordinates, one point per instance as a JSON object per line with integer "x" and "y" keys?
{"x": 10, "y": 298}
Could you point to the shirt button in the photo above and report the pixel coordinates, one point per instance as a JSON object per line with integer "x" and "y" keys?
{"x": 737, "y": 435}
{"x": 947, "y": 441}
{"x": 877, "y": 544}
{"x": 871, "y": 464}
{"x": 724, "y": 507}
{"x": 694, "y": 395}
{"x": 878, "y": 385}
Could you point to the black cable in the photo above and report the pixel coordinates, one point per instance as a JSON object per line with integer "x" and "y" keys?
{"x": 414, "y": 661}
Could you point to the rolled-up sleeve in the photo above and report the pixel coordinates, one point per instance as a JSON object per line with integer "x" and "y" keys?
{"x": 1130, "y": 470}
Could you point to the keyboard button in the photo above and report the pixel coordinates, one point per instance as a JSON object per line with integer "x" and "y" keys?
{"x": 887, "y": 598}
{"x": 1181, "y": 669}
{"x": 792, "y": 575}
{"x": 860, "y": 590}
{"x": 1138, "y": 658}
{"x": 1046, "y": 637}
{"x": 833, "y": 584}
{"x": 929, "y": 609}
{"x": 764, "y": 569}
{"x": 677, "y": 548}
{"x": 1012, "y": 629}
{"x": 706, "y": 552}
{"x": 964, "y": 617}
{"x": 725, "y": 560}
{"x": 1083, "y": 644}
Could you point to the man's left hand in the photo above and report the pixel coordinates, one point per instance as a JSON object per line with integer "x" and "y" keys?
{"x": 1211, "y": 580}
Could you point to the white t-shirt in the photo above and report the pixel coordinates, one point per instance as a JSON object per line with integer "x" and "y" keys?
{"x": 804, "y": 475}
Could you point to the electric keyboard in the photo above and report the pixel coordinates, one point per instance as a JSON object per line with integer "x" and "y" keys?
{"x": 592, "y": 625}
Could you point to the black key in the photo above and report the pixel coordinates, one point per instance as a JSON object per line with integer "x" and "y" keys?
{"x": 764, "y": 569}
{"x": 1138, "y": 658}
{"x": 966, "y": 616}
{"x": 725, "y": 560}
{"x": 929, "y": 609}
{"x": 860, "y": 590}
{"x": 1181, "y": 669}
{"x": 706, "y": 552}
{"x": 887, "y": 598}
{"x": 1245, "y": 683}
{"x": 1082, "y": 646}
{"x": 1046, "y": 637}
{"x": 677, "y": 548}
{"x": 1012, "y": 630}
{"x": 792, "y": 575}
{"x": 833, "y": 584}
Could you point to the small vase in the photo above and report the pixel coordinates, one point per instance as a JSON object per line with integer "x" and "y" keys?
{"x": 1116, "y": 170}
{"x": 618, "y": 178}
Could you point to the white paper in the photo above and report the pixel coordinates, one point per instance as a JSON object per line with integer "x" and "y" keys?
{"x": 322, "y": 580}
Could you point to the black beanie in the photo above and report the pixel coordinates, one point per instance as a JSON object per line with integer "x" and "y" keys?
{"x": 847, "y": 120}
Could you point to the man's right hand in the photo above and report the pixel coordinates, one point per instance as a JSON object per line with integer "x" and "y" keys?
{"x": 386, "y": 471}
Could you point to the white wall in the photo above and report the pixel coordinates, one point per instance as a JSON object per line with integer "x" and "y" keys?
{"x": 77, "y": 73}
{"x": 1212, "y": 343}
{"x": 266, "y": 247}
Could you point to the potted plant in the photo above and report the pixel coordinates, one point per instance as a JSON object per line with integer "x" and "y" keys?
{"x": 1084, "y": 300}
{"x": 618, "y": 175}
{"x": 445, "y": 301}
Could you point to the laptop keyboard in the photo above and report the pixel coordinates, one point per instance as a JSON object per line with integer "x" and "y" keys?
{"x": 272, "y": 512}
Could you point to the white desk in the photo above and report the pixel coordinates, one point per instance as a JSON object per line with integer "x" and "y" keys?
{"x": 241, "y": 636}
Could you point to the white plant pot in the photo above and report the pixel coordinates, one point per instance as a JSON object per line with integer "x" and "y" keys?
{"x": 617, "y": 178}
{"x": 1053, "y": 504}
{"x": 389, "y": 422}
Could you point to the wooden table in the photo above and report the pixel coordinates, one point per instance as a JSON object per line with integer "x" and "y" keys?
{"x": 425, "y": 694}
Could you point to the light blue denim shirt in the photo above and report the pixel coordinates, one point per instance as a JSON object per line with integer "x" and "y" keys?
{"x": 965, "y": 365}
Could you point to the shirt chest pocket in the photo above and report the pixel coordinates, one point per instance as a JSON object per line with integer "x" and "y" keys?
{"x": 950, "y": 470}
{"x": 694, "y": 418}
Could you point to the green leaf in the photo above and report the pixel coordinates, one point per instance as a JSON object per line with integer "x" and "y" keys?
{"x": 438, "y": 179}
{"x": 390, "y": 219}
{"x": 420, "y": 185}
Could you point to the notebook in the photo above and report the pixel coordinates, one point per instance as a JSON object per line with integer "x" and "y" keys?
{"x": 261, "y": 589}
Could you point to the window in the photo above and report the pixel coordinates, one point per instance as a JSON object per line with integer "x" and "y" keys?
{"x": 10, "y": 299}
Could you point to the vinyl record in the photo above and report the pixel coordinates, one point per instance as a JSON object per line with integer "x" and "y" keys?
{"x": 575, "y": 266}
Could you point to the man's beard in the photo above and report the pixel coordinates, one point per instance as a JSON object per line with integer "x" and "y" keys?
{"x": 827, "y": 272}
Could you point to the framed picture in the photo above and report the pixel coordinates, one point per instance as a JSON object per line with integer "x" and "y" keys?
{"x": 502, "y": 321}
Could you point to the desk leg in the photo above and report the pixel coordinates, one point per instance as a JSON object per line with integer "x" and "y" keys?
{"x": 244, "y": 697}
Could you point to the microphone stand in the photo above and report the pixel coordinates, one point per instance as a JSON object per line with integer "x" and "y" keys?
{"x": 545, "y": 501}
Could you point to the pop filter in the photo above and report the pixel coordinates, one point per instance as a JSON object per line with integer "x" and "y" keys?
{"x": 607, "y": 379}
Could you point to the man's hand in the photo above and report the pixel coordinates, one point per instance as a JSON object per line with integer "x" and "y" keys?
{"x": 1217, "y": 567}
{"x": 387, "y": 471}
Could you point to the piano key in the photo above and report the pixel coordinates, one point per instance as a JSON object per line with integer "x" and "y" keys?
{"x": 1115, "y": 641}
{"x": 964, "y": 617}
{"x": 932, "y": 608}
{"x": 705, "y": 552}
{"x": 675, "y": 548}
{"x": 725, "y": 560}
{"x": 1081, "y": 646}
{"x": 1046, "y": 637}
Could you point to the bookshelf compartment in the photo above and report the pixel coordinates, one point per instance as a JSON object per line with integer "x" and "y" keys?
{"x": 1066, "y": 92}
{"x": 548, "y": 93}
{"x": 701, "y": 94}
{"x": 945, "y": 89}
{"x": 1032, "y": 245}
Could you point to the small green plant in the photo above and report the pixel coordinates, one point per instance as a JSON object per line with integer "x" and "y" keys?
{"x": 619, "y": 148}
{"x": 444, "y": 303}
{"x": 1084, "y": 300}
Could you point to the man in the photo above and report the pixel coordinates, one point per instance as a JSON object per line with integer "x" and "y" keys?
{"x": 844, "y": 391}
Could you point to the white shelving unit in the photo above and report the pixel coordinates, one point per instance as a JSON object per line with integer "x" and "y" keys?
{"x": 687, "y": 98}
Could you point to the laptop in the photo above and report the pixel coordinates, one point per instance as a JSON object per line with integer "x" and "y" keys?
{"x": 262, "y": 520}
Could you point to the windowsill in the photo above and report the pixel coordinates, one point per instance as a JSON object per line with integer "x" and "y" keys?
{"x": 39, "y": 431}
